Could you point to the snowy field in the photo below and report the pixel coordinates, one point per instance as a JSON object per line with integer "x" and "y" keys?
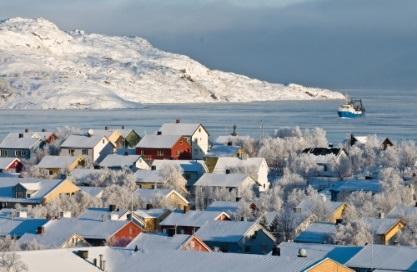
{"x": 389, "y": 113}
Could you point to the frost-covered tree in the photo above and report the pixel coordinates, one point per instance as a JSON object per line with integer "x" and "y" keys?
{"x": 107, "y": 177}
{"x": 75, "y": 204}
{"x": 341, "y": 167}
{"x": 9, "y": 260}
{"x": 284, "y": 224}
{"x": 356, "y": 232}
{"x": 122, "y": 197}
{"x": 408, "y": 235}
{"x": 304, "y": 165}
{"x": 174, "y": 178}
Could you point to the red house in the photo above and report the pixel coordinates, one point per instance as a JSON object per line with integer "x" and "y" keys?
{"x": 10, "y": 165}
{"x": 164, "y": 147}
{"x": 125, "y": 235}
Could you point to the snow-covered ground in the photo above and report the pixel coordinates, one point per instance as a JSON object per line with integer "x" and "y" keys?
{"x": 43, "y": 67}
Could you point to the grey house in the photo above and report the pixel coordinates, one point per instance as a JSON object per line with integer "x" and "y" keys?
{"x": 20, "y": 145}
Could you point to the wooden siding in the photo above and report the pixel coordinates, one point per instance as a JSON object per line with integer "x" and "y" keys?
{"x": 125, "y": 235}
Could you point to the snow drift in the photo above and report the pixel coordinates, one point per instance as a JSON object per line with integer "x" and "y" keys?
{"x": 42, "y": 67}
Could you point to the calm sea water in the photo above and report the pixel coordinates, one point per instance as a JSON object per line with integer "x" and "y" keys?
{"x": 390, "y": 113}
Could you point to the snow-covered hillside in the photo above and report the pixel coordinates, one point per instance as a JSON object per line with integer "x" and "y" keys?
{"x": 43, "y": 67}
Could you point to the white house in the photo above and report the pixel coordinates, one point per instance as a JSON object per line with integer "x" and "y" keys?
{"x": 256, "y": 168}
{"x": 196, "y": 134}
{"x": 93, "y": 147}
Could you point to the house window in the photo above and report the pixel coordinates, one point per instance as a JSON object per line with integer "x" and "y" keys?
{"x": 51, "y": 172}
{"x": 142, "y": 152}
{"x": 199, "y": 129}
{"x": 160, "y": 153}
{"x": 3, "y": 153}
{"x": 71, "y": 152}
{"x": 20, "y": 153}
{"x": 85, "y": 151}
{"x": 103, "y": 141}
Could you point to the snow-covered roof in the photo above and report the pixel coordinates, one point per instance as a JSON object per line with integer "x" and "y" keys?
{"x": 120, "y": 161}
{"x": 80, "y": 173}
{"x": 158, "y": 141}
{"x": 150, "y": 176}
{"x": 92, "y": 190}
{"x": 57, "y": 232}
{"x": 6, "y": 162}
{"x": 339, "y": 253}
{"x": 12, "y": 140}
{"x": 147, "y": 242}
{"x": 41, "y": 186}
{"x": 223, "y": 180}
{"x": 356, "y": 185}
{"x": 197, "y": 166}
{"x": 190, "y": 261}
{"x": 403, "y": 211}
{"x": 229, "y": 207}
{"x": 306, "y": 205}
{"x": 394, "y": 258}
{"x": 381, "y": 225}
{"x": 234, "y": 139}
{"x": 103, "y": 214}
{"x": 151, "y": 213}
{"x": 319, "y": 233}
{"x": 60, "y": 162}
{"x": 17, "y": 226}
{"x": 225, "y": 231}
{"x": 224, "y": 163}
{"x": 191, "y": 218}
{"x": 62, "y": 260}
{"x": 182, "y": 129}
{"x": 147, "y": 195}
{"x": 81, "y": 141}
{"x": 223, "y": 151}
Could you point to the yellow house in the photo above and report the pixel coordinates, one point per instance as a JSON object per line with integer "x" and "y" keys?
{"x": 337, "y": 212}
{"x": 65, "y": 187}
{"x": 149, "y": 219}
{"x": 328, "y": 265}
{"x": 384, "y": 229}
{"x": 53, "y": 166}
{"x": 218, "y": 151}
{"x": 33, "y": 191}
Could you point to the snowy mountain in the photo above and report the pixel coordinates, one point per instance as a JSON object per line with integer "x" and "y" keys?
{"x": 43, "y": 67}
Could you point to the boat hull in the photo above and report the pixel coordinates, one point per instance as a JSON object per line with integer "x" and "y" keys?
{"x": 349, "y": 114}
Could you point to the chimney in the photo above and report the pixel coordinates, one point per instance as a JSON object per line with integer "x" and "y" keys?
{"x": 415, "y": 204}
{"x": 229, "y": 143}
{"x": 20, "y": 135}
{"x": 177, "y": 121}
{"x": 112, "y": 207}
{"x": 22, "y": 214}
{"x": 153, "y": 167}
{"x": 26, "y": 130}
{"x": 276, "y": 251}
{"x": 185, "y": 209}
{"x": 83, "y": 254}
{"x": 43, "y": 130}
{"x": 65, "y": 214}
{"x": 101, "y": 262}
{"x": 302, "y": 253}
{"x": 106, "y": 128}
{"x": 123, "y": 126}
{"x": 242, "y": 218}
{"x": 136, "y": 249}
{"x": 114, "y": 217}
{"x": 227, "y": 171}
{"x": 95, "y": 261}
{"x": 159, "y": 133}
{"x": 40, "y": 230}
{"x": 381, "y": 215}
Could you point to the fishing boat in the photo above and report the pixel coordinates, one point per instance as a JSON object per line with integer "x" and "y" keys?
{"x": 352, "y": 108}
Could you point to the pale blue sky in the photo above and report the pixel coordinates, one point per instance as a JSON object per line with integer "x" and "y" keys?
{"x": 326, "y": 43}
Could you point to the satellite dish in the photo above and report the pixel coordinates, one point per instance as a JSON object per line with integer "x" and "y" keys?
{"x": 90, "y": 132}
